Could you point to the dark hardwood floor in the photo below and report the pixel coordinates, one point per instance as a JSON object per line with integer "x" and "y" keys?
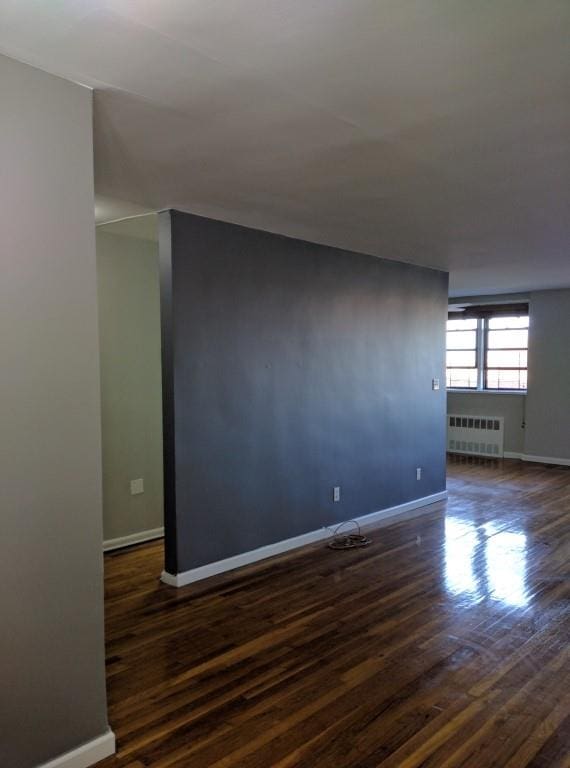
{"x": 443, "y": 644}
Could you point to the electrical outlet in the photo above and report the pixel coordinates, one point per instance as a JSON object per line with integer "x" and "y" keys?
{"x": 336, "y": 493}
{"x": 435, "y": 384}
{"x": 137, "y": 486}
{"x": 419, "y": 473}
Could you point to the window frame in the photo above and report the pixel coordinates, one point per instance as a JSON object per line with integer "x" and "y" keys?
{"x": 485, "y": 367}
{"x": 481, "y": 351}
{"x": 476, "y": 350}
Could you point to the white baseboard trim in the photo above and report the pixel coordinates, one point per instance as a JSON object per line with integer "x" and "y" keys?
{"x": 246, "y": 558}
{"x": 133, "y": 538}
{"x": 85, "y": 755}
{"x": 537, "y": 459}
{"x": 546, "y": 460}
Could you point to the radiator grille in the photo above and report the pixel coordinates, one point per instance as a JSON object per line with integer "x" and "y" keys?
{"x": 477, "y": 435}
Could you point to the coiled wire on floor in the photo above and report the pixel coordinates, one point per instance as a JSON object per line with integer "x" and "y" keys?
{"x": 348, "y": 540}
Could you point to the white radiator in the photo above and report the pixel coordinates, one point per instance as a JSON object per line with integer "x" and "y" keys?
{"x": 476, "y": 435}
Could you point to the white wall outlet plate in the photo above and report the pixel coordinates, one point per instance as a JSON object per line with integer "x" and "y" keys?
{"x": 435, "y": 384}
{"x": 419, "y": 473}
{"x": 336, "y": 493}
{"x": 137, "y": 486}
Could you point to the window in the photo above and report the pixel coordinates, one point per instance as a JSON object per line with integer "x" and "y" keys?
{"x": 462, "y": 354}
{"x": 506, "y": 352}
{"x": 489, "y": 352}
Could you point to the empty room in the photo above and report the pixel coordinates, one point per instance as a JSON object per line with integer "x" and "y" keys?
{"x": 285, "y": 336}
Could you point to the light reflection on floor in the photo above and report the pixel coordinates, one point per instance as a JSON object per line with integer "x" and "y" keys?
{"x": 485, "y": 562}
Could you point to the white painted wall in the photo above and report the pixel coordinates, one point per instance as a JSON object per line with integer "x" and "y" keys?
{"x": 51, "y": 640}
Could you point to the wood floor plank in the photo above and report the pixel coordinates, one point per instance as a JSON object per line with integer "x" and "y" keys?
{"x": 443, "y": 644}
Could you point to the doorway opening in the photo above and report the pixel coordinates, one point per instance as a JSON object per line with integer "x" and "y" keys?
{"x": 131, "y": 391}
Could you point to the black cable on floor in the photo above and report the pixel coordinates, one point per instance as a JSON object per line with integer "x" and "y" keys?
{"x": 348, "y": 540}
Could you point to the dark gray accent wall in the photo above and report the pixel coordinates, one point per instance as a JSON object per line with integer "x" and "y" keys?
{"x": 290, "y": 368}
{"x": 168, "y": 391}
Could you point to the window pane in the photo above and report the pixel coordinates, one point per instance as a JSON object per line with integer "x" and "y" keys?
{"x": 508, "y": 322}
{"x": 497, "y": 379}
{"x": 461, "y": 325}
{"x": 461, "y": 339}
{"x": 461, "y": 359}
{"x": 507, "y": 342}
{"x": 501, "y": 358}
{"x": 462, "y": 378}
{"x": 505, "y": 339}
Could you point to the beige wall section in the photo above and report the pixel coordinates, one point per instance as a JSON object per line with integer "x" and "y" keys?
{"x": 51, "y": 564}
{"x": 511, "y": 407}
{"x": 131, "y": 398}
{"x": 548, "y": 401}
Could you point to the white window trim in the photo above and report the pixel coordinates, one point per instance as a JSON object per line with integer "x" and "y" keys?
{"x": 455, "y": 390}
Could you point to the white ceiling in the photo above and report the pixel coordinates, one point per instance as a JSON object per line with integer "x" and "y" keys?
{"x": 431, "y": 131}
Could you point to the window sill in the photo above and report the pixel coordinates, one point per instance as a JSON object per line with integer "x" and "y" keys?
{"x": 487, "y": 391}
